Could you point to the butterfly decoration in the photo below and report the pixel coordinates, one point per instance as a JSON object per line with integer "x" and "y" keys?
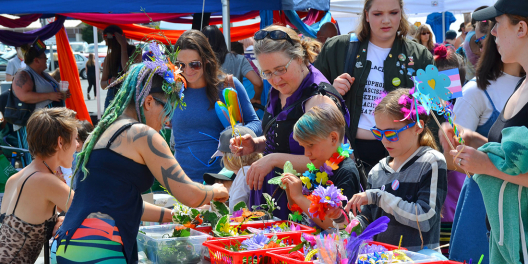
{"x": 288, "y": 168}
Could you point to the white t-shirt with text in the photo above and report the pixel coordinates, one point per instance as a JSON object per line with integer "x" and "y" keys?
{"x": 375, "y": 85}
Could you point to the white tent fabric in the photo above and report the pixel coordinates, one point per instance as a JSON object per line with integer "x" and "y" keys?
{"x": 346, "y": 8}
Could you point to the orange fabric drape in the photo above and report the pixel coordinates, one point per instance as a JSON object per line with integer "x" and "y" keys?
{"x": 70, "y": 73}
{"x": 137, "y": 32}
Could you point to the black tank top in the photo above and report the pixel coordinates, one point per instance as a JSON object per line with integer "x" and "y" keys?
{"x": 520, "y": 119}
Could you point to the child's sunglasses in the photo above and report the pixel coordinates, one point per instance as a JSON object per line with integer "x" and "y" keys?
{"x": 390, "y": 135}
{"x": 195, "y": 65}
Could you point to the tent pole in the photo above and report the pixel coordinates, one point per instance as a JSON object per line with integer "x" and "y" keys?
{"x": 443, "y": 26}
{"x": 97, "y": 76}
{"x": 226, "y": 23}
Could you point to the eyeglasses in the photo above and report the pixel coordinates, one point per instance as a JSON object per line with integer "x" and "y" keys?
{"x": 278, "y": 71}
{"x": 275, "y": 35}
{"x": 195, "y": 65}
{"x": 479, "y": 41}
{"x": 390, "y": 135}
{"x": 426, "y": 33}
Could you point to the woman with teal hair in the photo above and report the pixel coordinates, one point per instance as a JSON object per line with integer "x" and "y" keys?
{"x": 120, "y": 160}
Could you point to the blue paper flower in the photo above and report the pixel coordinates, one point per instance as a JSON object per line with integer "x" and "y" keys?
{"x": 255, "y": 242}
{"x": 169, "y": 76}
{"x": 309, "y": 175}
{"x": 433, "y": 84}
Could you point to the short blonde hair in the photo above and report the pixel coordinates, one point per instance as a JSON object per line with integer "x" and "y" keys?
{"x": 46, "y": 125}
{"x": 305, "y": 48}
{"x": 232, "y": 162}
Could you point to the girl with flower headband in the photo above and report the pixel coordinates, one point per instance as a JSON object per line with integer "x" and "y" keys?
{"x": 321, "y": 131}
{"x": 120, "y": 160}
{"x": 410, "y": 185}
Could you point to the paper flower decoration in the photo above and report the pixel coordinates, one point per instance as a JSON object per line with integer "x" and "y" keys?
{"x": 327, "y": 169}
{"x": 434, "y": 84}
{"x": 309, "y": 175}
{"x": 329, "y": 195}
{"x": 306, "y": 181}
{"x": 321, "y": 178}
{"x": 255, "y": 242}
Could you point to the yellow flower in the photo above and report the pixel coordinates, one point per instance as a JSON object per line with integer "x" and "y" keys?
{"x": 321, "y": 178}
{"x": 225, "y": 228}
{"x": 306, "y": 182}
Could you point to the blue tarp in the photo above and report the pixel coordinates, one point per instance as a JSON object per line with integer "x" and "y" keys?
{"x": 152, "y": 6}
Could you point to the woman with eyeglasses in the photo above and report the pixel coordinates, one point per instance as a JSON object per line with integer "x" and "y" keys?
{"x": 196, "y": 128}
{"x": 377, "y": 59}
{"x": 424, "y": 36}
{"x": 285, "y": 61}
{"x": 119, "y": 161}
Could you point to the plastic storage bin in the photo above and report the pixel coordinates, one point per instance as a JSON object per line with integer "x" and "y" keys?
{"x": 180, "y": 250}
{"x": 260, "y": 225}
{"x": 220, "y": 255}
{"x": 417, "y": 258}
{"x": 278, "y": 257}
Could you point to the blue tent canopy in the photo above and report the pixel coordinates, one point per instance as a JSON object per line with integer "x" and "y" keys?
{"x": 153, "y": 6}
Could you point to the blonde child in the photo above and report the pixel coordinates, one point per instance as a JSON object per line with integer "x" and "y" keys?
{"x": 321, "y": 131}
{"x": 239, "y": 190}
{"x": 410, "y": 185}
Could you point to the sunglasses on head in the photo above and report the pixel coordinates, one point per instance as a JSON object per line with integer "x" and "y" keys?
{"x": 195, "y": 65}
{"x": 390, "y": 134}
{"x": 275, "y": 35}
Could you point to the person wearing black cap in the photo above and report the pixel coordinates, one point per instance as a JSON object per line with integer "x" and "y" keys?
{"x": 505, "y": 196}
{"x": 235, "y": 183}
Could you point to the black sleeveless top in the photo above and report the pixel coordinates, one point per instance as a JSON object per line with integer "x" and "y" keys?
{"x": 520, "y": 119}
{"x": 113, "y": 187}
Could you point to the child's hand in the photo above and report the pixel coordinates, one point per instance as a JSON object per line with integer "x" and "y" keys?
{"x": 334, "y": 213}
{"x": 356, "y": 202}
{"x": 293, "y": 185}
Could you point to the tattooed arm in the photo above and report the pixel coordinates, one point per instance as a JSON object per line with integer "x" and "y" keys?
{"x": 158, "y": 157}
{"x": 23, "y": 88}
{"x": 154, "y": 213}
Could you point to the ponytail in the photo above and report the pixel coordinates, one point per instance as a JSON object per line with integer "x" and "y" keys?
{"x": 427, "y": 139}
{"x": 311, "y": 49}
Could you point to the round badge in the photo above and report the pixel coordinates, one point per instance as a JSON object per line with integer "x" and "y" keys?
{"x": 383, "y": 188}
{"x": 395, "y": 185}
{"x": 396, "y": 81}
{"x": 402, "y": 57}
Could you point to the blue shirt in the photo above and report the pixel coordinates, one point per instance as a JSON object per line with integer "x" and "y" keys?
{"x": 196, "y": 130}
{"x": 435, "y": 21}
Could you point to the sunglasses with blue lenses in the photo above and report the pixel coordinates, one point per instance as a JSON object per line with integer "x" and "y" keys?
{"x": 390, "y": 134}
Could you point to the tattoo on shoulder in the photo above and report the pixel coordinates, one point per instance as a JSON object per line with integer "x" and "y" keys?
{"x": 149, "y": 133}
{"x": 22, "y": 79}
{"x": 176, "y": 173}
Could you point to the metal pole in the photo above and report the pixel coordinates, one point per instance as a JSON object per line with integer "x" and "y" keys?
{"x": 97, "y": 78}
{"x": 443, "y": 27}
{"x": 226, "y": 23}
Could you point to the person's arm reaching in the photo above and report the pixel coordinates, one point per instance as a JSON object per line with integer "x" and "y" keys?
{"x": 154, "y": 213}
{"x": 251, "y": 120}
{"x": 160, "y": 161}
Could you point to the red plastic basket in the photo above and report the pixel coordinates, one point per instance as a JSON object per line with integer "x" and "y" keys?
{"x": 443, "y": 262}
{"x": 277, "y": 256}
{"x": 219, "y": 254}
{"x": 261, "y": 225}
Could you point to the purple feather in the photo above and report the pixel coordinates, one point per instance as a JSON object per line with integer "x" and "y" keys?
{"x": 376, "y": 227}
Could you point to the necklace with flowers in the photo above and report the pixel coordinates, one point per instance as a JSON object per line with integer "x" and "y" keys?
{"x": 314, "y": 177}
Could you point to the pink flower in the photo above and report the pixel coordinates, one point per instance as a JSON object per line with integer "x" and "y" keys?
{"x": 351, "y": 225}
{"x": 293, "y": 227}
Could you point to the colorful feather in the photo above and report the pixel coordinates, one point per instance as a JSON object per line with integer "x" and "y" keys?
{"x": 222, "y": 113}
{"x": 231, "y": 100}
{"x": 376, "y": 227}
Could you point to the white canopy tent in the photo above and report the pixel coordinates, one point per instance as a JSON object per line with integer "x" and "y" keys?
{"x": 347, "y": 12}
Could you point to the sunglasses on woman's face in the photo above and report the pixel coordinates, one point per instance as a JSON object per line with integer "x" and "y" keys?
{"x": 390, "y": 134}
{"x": 195, "y": 65}
{"x": 426, "y": 33}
